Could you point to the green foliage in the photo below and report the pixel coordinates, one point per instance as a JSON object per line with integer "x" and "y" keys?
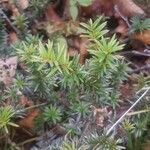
{"x": 21, "y": 22}
{"x": 73, "y": 145}
{"x": 6, "y": 115}
{"x": 103, "y": 55}
{"x": 120, "y": 73}
{"x": 56, "y": 58}
{"x": 142, "y": 80}
{"x": 81, "y": 109}
{"x": 50, "y": 71}
{"x": 136, "y": 130}
{"x": 74, "y": 127}
{"x": 127, "y": 125}
{"x": 52, "y": 114}
{"x": 52, "y": 62}
{"x": 38, "y": 6}
{"x": 94, "y": 30}
{"x": 103, "y": 142}
{"x": 139, "y": 24}
{"x": 11, "y": 93}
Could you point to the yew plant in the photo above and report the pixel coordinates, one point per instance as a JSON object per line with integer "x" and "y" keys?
{"x": 51, "y": 75}
{"x": 49, "y": 66}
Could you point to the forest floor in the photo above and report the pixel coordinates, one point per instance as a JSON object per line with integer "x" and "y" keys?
{"x": 60, "y": 89}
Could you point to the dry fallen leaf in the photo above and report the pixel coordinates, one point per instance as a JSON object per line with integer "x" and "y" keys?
{"x": 65, "y": 27}
{"x": 126, "y": 91}
{"x": 14, "y": 9}
{"x": 78, "y": 44}
{"x": 98, "y": 7}
{"x": 146, "y": 146}
{"x": 144, "y": 36}
{"x": 72, "y": 52}
{"x": 23, "y": 4}
{"x": 83, "y": 49}
{"x": 13, "y": 37}
{"x": 51, "y": 14}
{"x": 100, "y": 114}
{"x": 128, "y": 8}
{"x": 24, "y": 101}
{"x": 28, "y": 121}
{"x": 122, "y": 29}
{"x": 8, "y": 70}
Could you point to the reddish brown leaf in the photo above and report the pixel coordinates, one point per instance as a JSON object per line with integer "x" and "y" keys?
{"x": 72, "y": 52}
{"x": 122, "y": 29}
{"x": 127, "y": 92}
{"x": 24, "y": 101}
{"x": 83, "y": 49}
{"x": 98, "y": 7}
{"x": 28, "y": 122}
{"x": 13, "y": 37}
{"x": 126, "y": 7}
{"x": 142, "y": 36}
{"x": 51, "y": 14}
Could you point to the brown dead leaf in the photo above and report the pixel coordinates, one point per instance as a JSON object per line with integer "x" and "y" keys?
{"x": 13, "y": 37}
{"x": 28, "y": 122}
{"x": 83, "y": 49}
{"x": 8, "y": 70}
{"x": 22, "y": 4}
{"x": 128, "y": 8}
{"x": 51, "y": 14}
{"x": 98, "y": 7}
{"x": 122, "y": 29}
{"x": 14, "y": 9}
{"x": 127, "y": 92}
{"x": 65, "y": 27}
{"x": 72, "y": 52}
{"x": 24, "y": 101}
{"x": 100, "y": 114}
{"x": 80, "y": 45}
{"x": 10, "y": 6}
{"x": 146, "y": 146}
{"x": 144, "y": 36}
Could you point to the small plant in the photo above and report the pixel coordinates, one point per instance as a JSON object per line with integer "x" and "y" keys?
{"x": 80, "y": 109}
{"x": 94, "y": 30}
{"x": 52, "y": 114}
{"x": 128, "y": 126}
{"x": 139, "y": 24}
{"x": 6, "y": 115}
{"x": 73, "y": 145}
{"x": 74, "y": 127}
{"x": 21, "y": 22}
{"x": 38, "y": 6}
{"x": 136, "y": 131}
{"x": 11, "y": 93}
{"x": 103, "y": 142}
{"x": 142, "y": 80}
{"x": 49, "y": 67}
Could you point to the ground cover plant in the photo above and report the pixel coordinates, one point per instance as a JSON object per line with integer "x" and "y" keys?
{"x": 74, "y": 75}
